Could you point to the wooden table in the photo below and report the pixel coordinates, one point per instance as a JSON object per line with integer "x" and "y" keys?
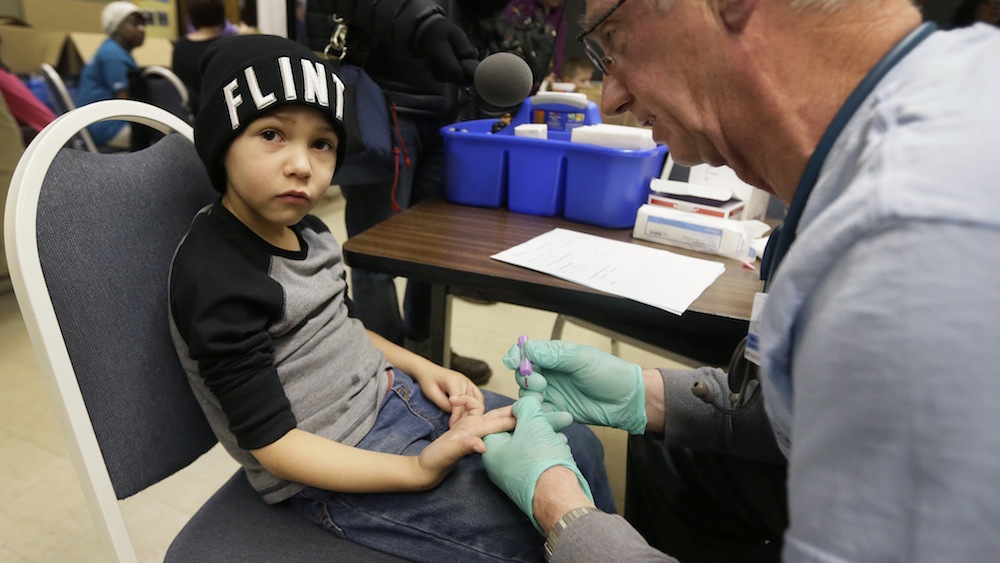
{"x": 450, "y": 246}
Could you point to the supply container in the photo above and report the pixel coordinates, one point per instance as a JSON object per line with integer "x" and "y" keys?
{"x": 487, "y": 166}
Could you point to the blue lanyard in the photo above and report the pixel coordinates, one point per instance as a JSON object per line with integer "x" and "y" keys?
{"x": 783, "y": 236}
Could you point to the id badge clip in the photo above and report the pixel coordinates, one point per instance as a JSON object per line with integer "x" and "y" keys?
{"x": 752, "y": 351}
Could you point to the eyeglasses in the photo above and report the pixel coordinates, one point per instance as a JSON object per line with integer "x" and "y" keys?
{"x": 592, "y": 47}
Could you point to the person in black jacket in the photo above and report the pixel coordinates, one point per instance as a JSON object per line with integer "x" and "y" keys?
{"x": 208, "y": 18}
{"x": 419, "y": 53}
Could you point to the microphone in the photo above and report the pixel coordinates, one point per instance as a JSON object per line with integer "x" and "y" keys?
{"x": 503, "y": 80}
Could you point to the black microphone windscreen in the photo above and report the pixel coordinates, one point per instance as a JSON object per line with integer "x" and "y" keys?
{"x": 503, "y": 80}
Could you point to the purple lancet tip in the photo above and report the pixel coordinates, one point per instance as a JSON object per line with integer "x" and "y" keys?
{"x": 525, "y": 368}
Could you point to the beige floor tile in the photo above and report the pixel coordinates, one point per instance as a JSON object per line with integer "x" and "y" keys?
{"x": 25, "y": 407}
{"x": 88, "y": 549}
{"x": 47, "y": 517}
{"x": 189, "y": 488}
{"x": 216, "y": 464}
{"x": 14, "y": 342}
{"x": 24, "y": 465}
{"x": 152, "y": 525}
{"x": 10, "y": 557}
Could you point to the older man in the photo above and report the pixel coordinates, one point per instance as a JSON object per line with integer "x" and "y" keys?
{"x": 880, "y": 323}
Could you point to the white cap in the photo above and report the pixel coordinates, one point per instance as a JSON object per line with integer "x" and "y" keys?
{"x": 114, "y": 14}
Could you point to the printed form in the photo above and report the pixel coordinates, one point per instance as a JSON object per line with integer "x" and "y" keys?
{"x": 659, "y": 278}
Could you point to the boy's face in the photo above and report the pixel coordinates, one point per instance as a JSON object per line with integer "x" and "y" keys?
{"x": 581, "y": 77}
{"x": 278, "y": 168}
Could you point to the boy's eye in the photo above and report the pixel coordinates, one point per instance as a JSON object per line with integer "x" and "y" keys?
{"x": 323, "y": 145}
{"x": 269, "y": 134}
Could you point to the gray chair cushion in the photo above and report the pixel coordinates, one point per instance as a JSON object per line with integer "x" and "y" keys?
{"x": 123, "y": 215}
{"x": 259, "y": 532}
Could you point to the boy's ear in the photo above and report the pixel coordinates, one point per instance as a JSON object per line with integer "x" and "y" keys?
{"x": 735, "y": 14}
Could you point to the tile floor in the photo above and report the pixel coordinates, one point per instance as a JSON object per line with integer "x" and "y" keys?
{"x": 43, "y": 515}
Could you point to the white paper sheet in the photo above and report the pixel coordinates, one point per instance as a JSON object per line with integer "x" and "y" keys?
{"x": 656, "y": 277}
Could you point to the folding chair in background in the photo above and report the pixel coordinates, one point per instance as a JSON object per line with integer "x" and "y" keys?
{"x": 59, "y": 94}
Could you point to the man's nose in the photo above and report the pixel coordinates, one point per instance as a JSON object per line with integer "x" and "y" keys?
{"x": 615, "y": 99}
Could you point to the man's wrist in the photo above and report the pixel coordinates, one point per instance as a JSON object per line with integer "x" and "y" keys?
{"x": 557, "y": 492}
{"x": 652, "y": 380}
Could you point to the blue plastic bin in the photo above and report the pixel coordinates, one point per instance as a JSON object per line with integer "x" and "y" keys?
{"x": 475, "y": 164}
{"x": 591, "y": 184}
{"x": 537, "y": 177}
{"x": 606, "y": 186}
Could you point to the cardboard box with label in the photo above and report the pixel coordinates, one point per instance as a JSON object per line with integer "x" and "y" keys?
{"x": 25, "y": 48}
{"x": 694, "y": 231}
{"x": 721, "y": 177}
{"x": 694, "y": 198}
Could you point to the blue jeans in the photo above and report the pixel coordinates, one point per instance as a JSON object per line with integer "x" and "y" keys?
{"x": 374, "y": 294}
{"x": 466, "y": 517}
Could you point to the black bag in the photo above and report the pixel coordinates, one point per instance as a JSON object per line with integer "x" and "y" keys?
{"x": 370, "y": 156}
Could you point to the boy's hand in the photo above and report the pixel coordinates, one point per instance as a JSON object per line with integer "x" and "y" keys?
{"x": 464, "y": 437}
{"x": 440, "y": 384}
{"x": 468, "y": 404}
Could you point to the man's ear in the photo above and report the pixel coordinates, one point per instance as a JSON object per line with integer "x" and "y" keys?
{"x": 735, "y": 14}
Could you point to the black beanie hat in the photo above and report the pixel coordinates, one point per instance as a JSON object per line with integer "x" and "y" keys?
{"x": 246, "y": 76}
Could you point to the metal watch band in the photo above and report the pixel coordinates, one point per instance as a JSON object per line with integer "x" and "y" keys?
{"x": 550, "y": 541}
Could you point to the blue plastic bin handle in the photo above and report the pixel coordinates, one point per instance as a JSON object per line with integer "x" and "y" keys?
{"x": 573, "y": 99}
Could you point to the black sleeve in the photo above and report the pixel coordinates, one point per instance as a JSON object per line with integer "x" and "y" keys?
{"x": 222, "y": 304}
{"x": 484, "y": 8}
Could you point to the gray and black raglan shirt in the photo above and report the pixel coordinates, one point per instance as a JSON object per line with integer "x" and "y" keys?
{"x": 267, "y": 341}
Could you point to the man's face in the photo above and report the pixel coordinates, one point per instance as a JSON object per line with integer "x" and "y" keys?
{"x": 132, "y": 31}
{"x": 665, "y": 72}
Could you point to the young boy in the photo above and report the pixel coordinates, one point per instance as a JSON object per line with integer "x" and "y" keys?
{"x": 318, "y": 411}
{"x": 576, "y": 71}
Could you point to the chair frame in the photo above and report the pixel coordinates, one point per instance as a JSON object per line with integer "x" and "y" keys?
{"x": 170, "y": 77}
{"x": 63, "y": 94}
{"x": 40, "y": 317}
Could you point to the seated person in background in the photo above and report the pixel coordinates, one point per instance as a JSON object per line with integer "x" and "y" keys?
{"x": 574, "y": 76}
{"x": 319, "y": 411}
{"x": 577, "y": 71}
{"x": 105, "y": 76}
{"x": 28, "y": 110}
{"x": 208, "y": 17}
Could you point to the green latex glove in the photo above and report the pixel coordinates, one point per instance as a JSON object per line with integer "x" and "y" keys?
{"x": 593, "y": 386}
{"x": 515, "y": 461}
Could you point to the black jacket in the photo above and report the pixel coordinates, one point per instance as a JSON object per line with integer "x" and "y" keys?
{"x": 383, "y": 39}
